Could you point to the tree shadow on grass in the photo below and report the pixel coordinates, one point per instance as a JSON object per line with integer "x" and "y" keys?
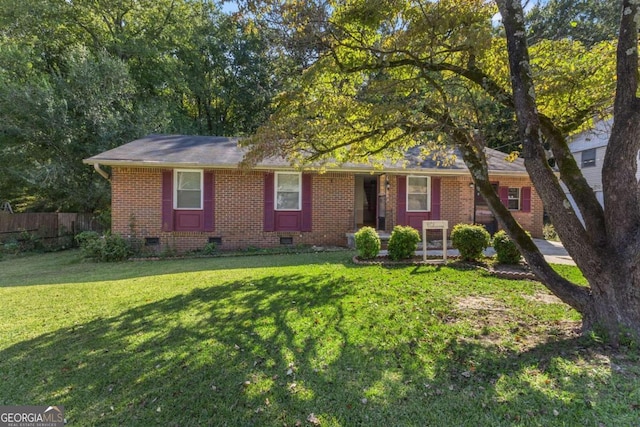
{"x": 293, "y": 349}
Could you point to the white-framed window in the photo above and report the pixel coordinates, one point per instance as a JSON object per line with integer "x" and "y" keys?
{"x": 288, "y": 191}
{"x": 187, "y": 189}
{"x": 589, "y": 158}
{"x": 418, "y": 194}
{"x": 514, "y": 199}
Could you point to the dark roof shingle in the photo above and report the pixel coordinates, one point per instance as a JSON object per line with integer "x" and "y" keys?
{"x": 222, "y": 152}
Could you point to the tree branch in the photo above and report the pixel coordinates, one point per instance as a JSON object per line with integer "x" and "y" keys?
{"x": 627, "y": 58}
{"x": 571, "y": 232}
{"x": 570, "y": 173}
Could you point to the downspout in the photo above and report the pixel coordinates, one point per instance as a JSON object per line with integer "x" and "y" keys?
{"x": 102, "y": 172}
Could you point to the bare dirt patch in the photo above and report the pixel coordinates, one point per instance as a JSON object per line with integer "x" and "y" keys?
{"x": 543, "y": 298}
{"x": 480, "y": 303}
{"x": 494, "y": 320}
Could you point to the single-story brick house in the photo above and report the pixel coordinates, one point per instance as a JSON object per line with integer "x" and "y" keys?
{"x": 186, "y": 191}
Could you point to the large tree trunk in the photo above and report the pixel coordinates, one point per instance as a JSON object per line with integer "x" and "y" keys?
{"x": 606, "y": 248}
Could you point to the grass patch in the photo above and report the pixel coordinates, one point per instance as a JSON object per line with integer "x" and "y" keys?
{"x": 299, "y": 339}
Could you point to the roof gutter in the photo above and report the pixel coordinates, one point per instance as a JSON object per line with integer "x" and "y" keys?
{"x": 101, "y": 171}
{"x": 349, "y": 169}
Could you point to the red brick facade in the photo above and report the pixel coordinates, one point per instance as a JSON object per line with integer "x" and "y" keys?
{"x": 239, "y": 208}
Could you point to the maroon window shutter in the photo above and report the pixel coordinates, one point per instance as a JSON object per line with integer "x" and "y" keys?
{"x": 435, "y": 198}
{"x": 306, "y": 202}
{"x": 208, "y": 200}
{"x": 269, "y": 222}
{"x": 503, "y": 193}
{"x": 167, "y": 201}
{"x": 525, "y": 202}
{"x": 401, "y": 202}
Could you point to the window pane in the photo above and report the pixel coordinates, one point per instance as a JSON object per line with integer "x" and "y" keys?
{"x": 188, "y": 199}
{"x": 288, "y": 182}
{"x": 417, "y": 193}
{"x": 589, "y": 158}
{"x": 417, "y": 185}
{"x": 288, "y": 191}
{"x": 287, "y": 201}
{"x": 514, "y": 199}
{"x": 188, "y": 180}
{"x": 417, "y": 202}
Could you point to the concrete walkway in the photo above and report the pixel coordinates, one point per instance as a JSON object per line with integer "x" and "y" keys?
{"x": 553, "y": 252}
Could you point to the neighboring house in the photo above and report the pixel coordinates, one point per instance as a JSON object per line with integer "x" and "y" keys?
{"x": 186, "y": 191}
{"x": 588, "y": 148}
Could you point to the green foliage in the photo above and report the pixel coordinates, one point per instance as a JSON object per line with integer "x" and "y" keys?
{"x": 85, "y": 237}
{"x": 367, "y": 243}
{"x": 24, "y": 242}
{"x": 29, "y": 242}
{"x": 103, "y": 217}
{"x": 586, "y": 21}
{"x": 52, "y": 121}
{"x": 470, "y": 240}
{"x": 402, "y": 243}
{"x": 549, "y": 233}
{"x": 506, "y": 250}
{"x": 360, "y": 104}
{"x": 11, "y": 247}
{"x": 107, "y": 248}
{"x": 209, "y": 249}
{"x": 78, "y": 78}
{"x": 169, "y": 249}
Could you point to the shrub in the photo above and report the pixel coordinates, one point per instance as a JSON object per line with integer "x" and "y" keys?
{"x": 11, "y": 247}
{"x": 209, "y": 249}
{"x": 506, "y": 250}
{"x": 402, "y": 243}
{"x": 86, "y": 236}
{"x": 367, "y": 243}
{"x": 29, "y": 242}
{"x": 107, "y": 248}
{"x": 549, "y": 233}
{"x": 470, "y": 240}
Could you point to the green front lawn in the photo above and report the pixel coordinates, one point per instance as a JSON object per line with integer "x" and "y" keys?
{"x": 307, "y": 339}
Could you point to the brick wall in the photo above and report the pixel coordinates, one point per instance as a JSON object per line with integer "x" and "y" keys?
{"x": 137, "y": 197}
{"x": 457, "y": 202}
{"x": 530, "y": 221}
{"x": 239, "y": 204}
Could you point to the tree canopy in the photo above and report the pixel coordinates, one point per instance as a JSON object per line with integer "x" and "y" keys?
{"x": 77, "y": 78}
{"x": 395, "y": 75}
{"x": 587, "y": 21}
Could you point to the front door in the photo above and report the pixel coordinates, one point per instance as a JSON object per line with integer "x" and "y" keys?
{"x": 482, "y": 215}
{"x": 366, "y": 195}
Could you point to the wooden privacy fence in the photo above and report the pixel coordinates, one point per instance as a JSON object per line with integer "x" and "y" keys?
{"x": 47, "y": 226}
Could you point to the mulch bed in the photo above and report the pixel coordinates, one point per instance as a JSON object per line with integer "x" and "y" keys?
{"x": 515, "y": 272}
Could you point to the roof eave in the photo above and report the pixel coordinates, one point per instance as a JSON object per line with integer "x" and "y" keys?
{"x": 352, "y": 169}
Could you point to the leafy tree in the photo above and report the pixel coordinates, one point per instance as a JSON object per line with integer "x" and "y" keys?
{"x": 54, "y": 120}
{"x": 211, "y": 72}
{"x": 227, "y": 75}
{"x": 78, "y": 77}
{"x": 587, "y": 21}
{"x": 397, "y": 75}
